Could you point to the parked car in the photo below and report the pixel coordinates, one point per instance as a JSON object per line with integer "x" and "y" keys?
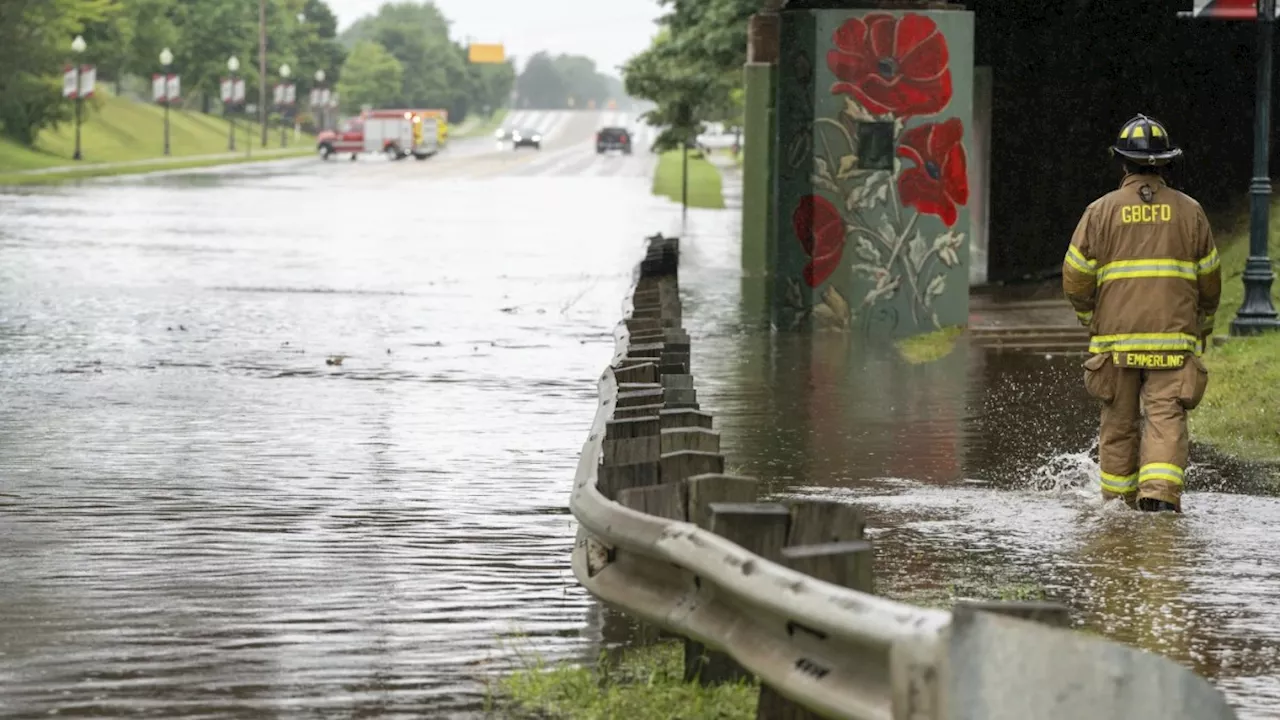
{"x": 525, "y": 137}
{"x": 613, "y": 138}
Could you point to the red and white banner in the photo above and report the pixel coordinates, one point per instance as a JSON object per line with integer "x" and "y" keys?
{"x": 1226, "y": 10}
{"x": 232, "y": 91}
{"x": 165, "y": 88}
{"x": 88, "y": 78}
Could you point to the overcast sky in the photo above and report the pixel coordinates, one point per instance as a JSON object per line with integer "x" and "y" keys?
{"x": 607, "y": 31}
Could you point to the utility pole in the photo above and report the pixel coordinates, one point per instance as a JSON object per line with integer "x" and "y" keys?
{"x": 262, "y": 67}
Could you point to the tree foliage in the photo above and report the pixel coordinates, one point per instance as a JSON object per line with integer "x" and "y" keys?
{"x": 565, "y": 81}
{"x": 125, "y": 37}
{"x": 436, "y": 73}
{"x": 692, "y": 71}
{"x": 370, "y": 76}
{"x": 35, "y": 40}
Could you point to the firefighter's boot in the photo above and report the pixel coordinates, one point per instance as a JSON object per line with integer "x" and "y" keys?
{"x": 1148, "y": 504}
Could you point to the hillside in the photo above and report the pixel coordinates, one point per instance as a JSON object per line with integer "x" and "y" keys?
{"x": 117, "y": 130}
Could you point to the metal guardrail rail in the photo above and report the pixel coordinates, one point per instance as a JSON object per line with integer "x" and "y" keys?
{"x": 783, "y": 592}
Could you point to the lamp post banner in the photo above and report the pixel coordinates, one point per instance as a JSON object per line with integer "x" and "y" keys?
{"x": 1224, "y": 10}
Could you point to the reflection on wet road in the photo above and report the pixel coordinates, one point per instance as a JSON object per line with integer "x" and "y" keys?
{"x": 200, "y": 515}
{"x": 977, "y": 479}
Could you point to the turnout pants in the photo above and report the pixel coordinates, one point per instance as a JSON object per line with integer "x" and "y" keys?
{"x": 1144, "y": 460}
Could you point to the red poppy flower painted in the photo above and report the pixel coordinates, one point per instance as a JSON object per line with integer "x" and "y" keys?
{"x": 820, "y": 230}
{"x": 892, "y": 65}
{"x": 940, "y": 180}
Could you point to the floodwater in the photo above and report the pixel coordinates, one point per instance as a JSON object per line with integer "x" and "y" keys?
{"x": 979, "y": 478}
{"x": 201, "y": 516}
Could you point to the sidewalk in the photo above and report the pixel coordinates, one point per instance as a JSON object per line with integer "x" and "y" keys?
{"x": 255, "y": 154}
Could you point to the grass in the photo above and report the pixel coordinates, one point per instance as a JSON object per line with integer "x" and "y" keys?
{"x": 644, "y": 683}
{"x": 479, "y": 128}
{"x": 704, "y": 180}
{"x": 1235, "y": 416}
{"x": 72, "y": 173}
{"x": 930, "y": 347}
{"x": 118, "y": 130}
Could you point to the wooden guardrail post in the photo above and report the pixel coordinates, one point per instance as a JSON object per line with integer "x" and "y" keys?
{"x": 825, "y": 542}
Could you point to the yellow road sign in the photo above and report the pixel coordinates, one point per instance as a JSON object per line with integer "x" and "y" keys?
{"x": 492, "y": 53}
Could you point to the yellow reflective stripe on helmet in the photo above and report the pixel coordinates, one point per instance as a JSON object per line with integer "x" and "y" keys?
{"x": 1144, "y": 342}
{"x": 1147, "y": 268}
{"x": 1209, "y": 262}
{"x": 1156, "y": 131}
{"x": 1077, "y": 260}
{"x": 1120, "y": 484}
{"x": 1161, "y": 471}
{"x": 1124, "y": 133}
{"x": 1137, "y": 131}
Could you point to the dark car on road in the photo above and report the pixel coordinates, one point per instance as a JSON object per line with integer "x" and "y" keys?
{"x": 524, "y": 137}
{"x": 613, "y": 138}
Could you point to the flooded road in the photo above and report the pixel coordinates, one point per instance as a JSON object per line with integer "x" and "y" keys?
{"x": 979, "y": 478}
{"x": 202, "y": 513}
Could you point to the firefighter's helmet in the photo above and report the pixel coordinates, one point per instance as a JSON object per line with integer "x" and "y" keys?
{"x": 1145, "y": 141}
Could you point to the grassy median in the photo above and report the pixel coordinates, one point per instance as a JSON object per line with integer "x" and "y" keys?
{"x": 704, "y": 180}
{"x": 477, "y": 126}
{"x": 1239, "y": 414}
{"x": 644, "y": 683}
{"x": 118, "y": 130}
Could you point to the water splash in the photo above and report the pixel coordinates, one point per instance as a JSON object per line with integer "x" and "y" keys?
{"x": 1068, "y": 472}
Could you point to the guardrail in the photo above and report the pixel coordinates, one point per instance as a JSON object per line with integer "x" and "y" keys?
{"x": 784, "y": 592}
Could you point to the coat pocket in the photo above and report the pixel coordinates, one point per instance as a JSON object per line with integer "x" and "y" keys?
{"x": 1100, "y": 377}
{"x": 1195, "y": 380}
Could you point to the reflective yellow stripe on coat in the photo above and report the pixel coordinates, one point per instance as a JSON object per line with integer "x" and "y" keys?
{"x": 1145, "y": 342}
{"x": 1208, "y": 263}
{"x": 1147, "y": 268}
{"x": 1077, "y": 260}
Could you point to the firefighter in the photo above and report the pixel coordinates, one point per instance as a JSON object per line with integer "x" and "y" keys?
{"x": 1142, "y": 273}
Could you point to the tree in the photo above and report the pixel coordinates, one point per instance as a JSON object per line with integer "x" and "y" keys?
{"x": 370, "y": 76}
{"x": 540, "y": 85}
{"x": 692, "y": 68}
{"x": 35, "y": 39}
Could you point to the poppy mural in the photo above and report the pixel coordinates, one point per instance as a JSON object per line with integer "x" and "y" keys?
{"x": 874, "y": 109}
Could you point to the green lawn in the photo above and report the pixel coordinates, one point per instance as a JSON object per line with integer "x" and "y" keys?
{"x": 476, "y": 126}
{"x": 120, "y": 130}
{"x": 704, "y": 180}
{"x": 1240, "y": 413}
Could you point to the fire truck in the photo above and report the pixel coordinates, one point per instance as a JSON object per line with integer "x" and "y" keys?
{"x": 397, "y": 134}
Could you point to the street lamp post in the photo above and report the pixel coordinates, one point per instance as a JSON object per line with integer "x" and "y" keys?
{"x": 233, "y": 64}
{"x": 284, "y": 89}
{"x": 78, "y": 46}
{"x": 1257, "y": 313}
{"x": 319, "y": 105}
{"x": 166, "y": 59}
